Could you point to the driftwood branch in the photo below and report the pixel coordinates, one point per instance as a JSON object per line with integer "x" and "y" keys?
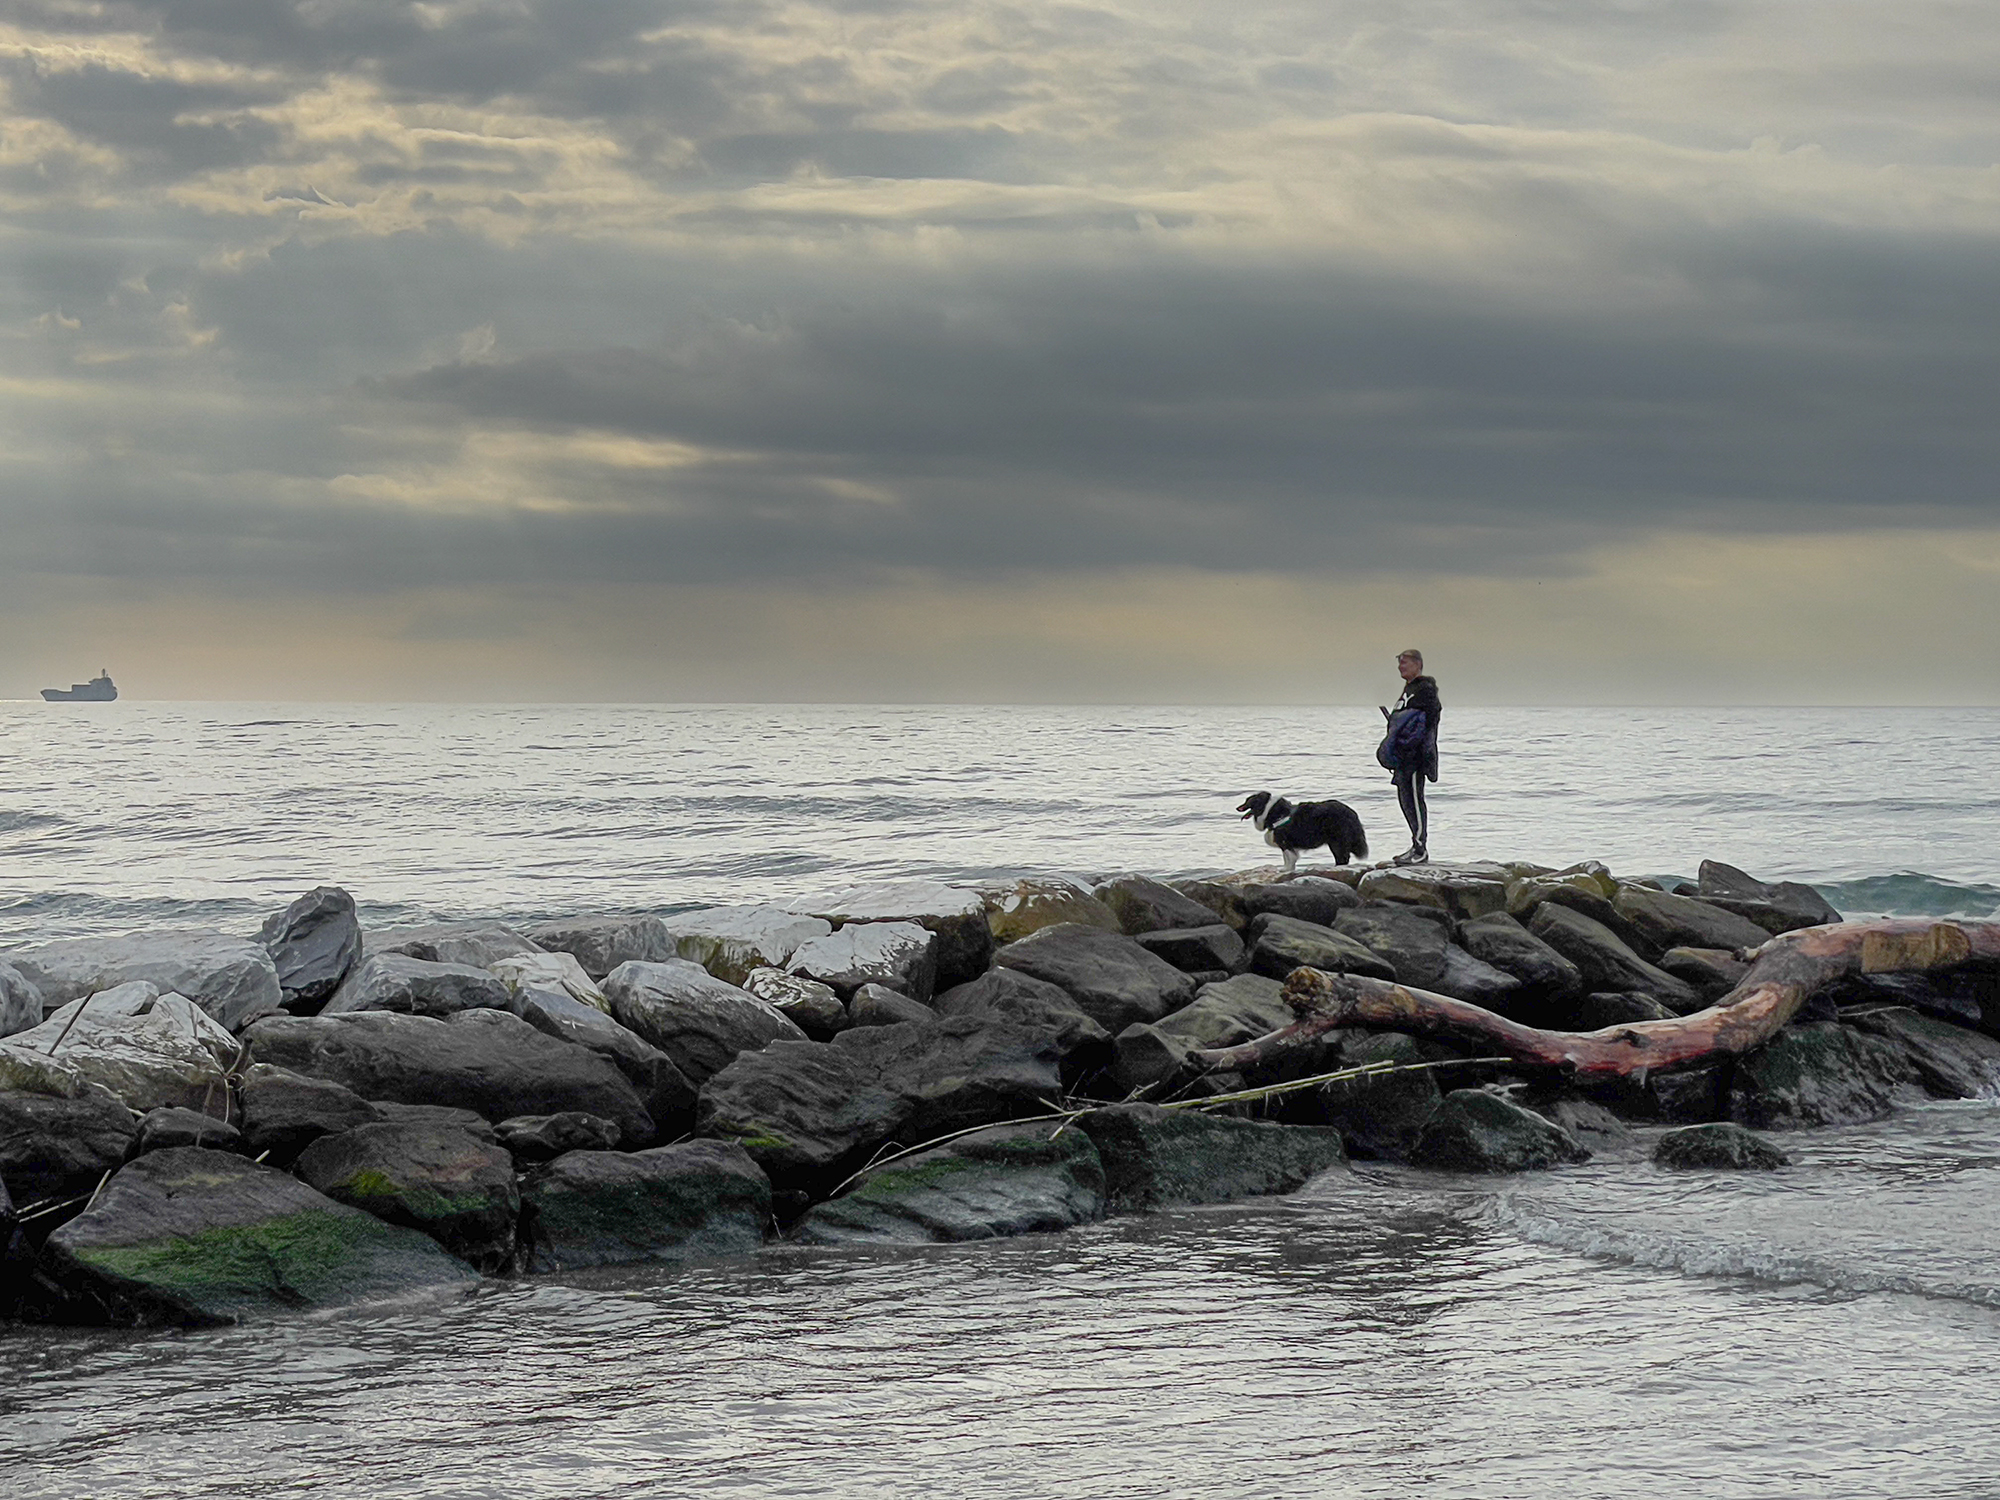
{"x": 1784, "y": 973}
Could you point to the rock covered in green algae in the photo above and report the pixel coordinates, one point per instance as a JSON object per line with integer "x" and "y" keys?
{"x": 604, "y": 1208}
{"x": 1011, "y": 1179}
{"x": 447, "y": 1182}
{"x": 1719, "y": 1146}
{"x": 1158, "y": 1158}
{"x": 1474, "y": 1131}
{"x": 193, "y": 1236}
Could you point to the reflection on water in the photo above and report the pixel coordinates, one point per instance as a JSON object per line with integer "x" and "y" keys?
{"x": 1377, "y": 1335}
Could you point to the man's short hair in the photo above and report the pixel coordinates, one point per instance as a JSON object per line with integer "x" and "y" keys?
{"x": 1413, "y": 654}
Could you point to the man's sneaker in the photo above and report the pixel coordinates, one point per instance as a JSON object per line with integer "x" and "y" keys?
{"x": 1416, "y": 854}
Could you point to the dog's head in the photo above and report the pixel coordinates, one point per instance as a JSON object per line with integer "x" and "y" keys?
{"x": 1252, "y": 806}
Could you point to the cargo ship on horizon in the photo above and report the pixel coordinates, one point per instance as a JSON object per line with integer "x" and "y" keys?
{"x": 100, "y": 689}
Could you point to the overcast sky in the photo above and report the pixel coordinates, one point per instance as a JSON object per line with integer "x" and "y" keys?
{"x": 1610, "y": 351}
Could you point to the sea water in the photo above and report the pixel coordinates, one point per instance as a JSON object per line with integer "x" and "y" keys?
{"x": 1603, "y": 1330}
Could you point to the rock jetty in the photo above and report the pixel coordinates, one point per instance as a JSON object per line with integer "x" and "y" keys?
{"x": 198, "y": 1127}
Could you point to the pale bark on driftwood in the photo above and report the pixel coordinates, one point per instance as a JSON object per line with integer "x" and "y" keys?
{"x": 1783, "y": 974}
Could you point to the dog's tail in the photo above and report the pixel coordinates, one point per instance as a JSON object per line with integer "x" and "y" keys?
{"x": 1356, "y": 840}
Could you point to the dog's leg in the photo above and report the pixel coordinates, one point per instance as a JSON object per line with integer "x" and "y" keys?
{"x": 1291, "y": 861}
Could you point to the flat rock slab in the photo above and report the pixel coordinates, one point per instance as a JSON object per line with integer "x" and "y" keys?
{"x": 603, "y": 1208}
{"x": 956, "y": 915}
{"x": 1474, "y": 1131}
{"x": 1465, "y": 893}
{"x": 231, "y": 978}
{"x": 602, "y": 943}
{"x": 53, "y": 1146}
{"x": 1159, "y": 1158}
{"x": 415, "y": 987}
{"x": 550, "y": 971}
{"x": 1775, "y": 906}
{"x": 313, "y": 943}
{"x": 1111, "y": 978}
{"x": 878, "y": 1005}
{"x": 1004, "y": 1181}
{"x": 448, "y": 1183}
{"x": 1477, "y": 982}
{"x": 197, "y": 1237}
{"x": 1309, "y": 898}
{"x": 1717, "y": 1147}
{"x": 487, "y": 1061}
{"x": 699, "y": 1021}
{"x": 730, "y": 941}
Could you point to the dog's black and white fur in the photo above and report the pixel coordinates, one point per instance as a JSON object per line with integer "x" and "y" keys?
{"x": 1292, "y": 827}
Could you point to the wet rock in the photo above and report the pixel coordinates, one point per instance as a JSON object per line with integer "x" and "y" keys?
{"x": 601, "y": 943}
{"x": 1475, "y": 1131}
{"x": 447, "y": 1183}
{"x": 20, "y": 1001}
{"x": 696, "y": 1019}
{"x": 1589, "y": 1123}
{"x": 1410, "y": 938}
{"x": 1717, "y": 1147}
{"x": 1524, "y": 901}
{"x": 1462, "y": 891}
{"x": 805, "y": 1111}
{"x": 875, "y": 1005}
{"x": 474, "y": 945}
{"x": 1310, "y": 898}
{"x": 1281, "y": 944}
{"x": 1005, "y": 1181}
{"x": 415, "y": 987}
{"x": 603, "y": 1208}
{"x": 1547, "y": 978}
{"x": 899, "y": 956}
{"x": 1225, "y": 901}
{"x": 169, "y": 1127}
{"x": 666, "y": 1091}
{"x": 313, "y": 943}
{"x": 1823, "y": 1074}
{"x": 56, "y": 1146}
{"x": 1144, "y": 1057}
{"x": 149, "y": 1049}
{"x": 1009, "y": 997}
{"x": 1026, "y": 906}
{"x": 1160, "y": 1158}
{"x": 1710, "y": 972}
{"x": 730, "y": 941}
{"x": 1950, "y": 1062}
{"x": 1607, "y": 963}
{"x": 487, "y": 1061}
{"x": 438, "y": 1115}
{"x": 285, "y": 1112}
{"x": 1197, "y": 950}
{"x": 1240, "y": 1009}
{"x": 1681, "y": 922}
{"x": 1142, "y": 905}
{"x": 1382, "y": 1115}
{"x": 957, "y": 917}
{"x": 1467, "y": 978}
{"x": 811, "y": 1006}
{"x": 958, "y": 1072}
{"x": 539, "y": 1138}
{"x": 1110, "y": 977}
{"x": 1779, "y": 906}
{"x": 560, "y": 972}
{"x": 1602, "y": 1008}
{"x": 231, "y": 978}
{"x": 196, "y": 1237}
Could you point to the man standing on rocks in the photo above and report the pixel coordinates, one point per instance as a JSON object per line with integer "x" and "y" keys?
{"x": 1410, "y": 750}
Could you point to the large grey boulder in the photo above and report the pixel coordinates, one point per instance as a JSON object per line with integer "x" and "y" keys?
{"x": 54, "y": 1145}
{"x": 811, "y": 1006}
{"x": 1606, "y": 962}
{"x": 956, "y": 915}
{"x": 667, "y": 1092}
{"x": 1143, "y": 904}
{"x": 1474, "y": 1131}
{"x": 1017, "y": 908}
{"x": 151, "y": 1050}
{"x": 1667, "y": 921}
{"x": 448, "y": 1183}
{"x": 1380, "y": 1114}
{"x": 1237, "y": 1010}
{"x": 1160, "y": 1158}
{"x": 1719, "y": 1146}
{"x": 1464, "y": 891}
{"x": 1775, "y": 906}
{"x": 1950, "y": 1061}
{"x": 285, "y": 1112}
{"x": 603, "y": 1208}
{"x": 313, "y": 943}
{"x": 730, "y": 941}
{"x": 1546, "y": 977}
{"x": 602, "y": 943}
{"x": 231, "y": 978}
{"x": 197, "y": 1237}
{"x": 415, "y": 987}
{"x": 1009, "y": 997}
{"x": 699, "y": 1021}
{"x": 1280, "y": 944}
{"x": 1822, "y": 1074}
{"x": 1412, "y": 939}
{"x": 1110, "y": 977}
{"x": 1215, "y": 948}
{"x": 20, "y": 1001}
{"x": 477, "y": 945}
{"x": 897, "y": 955}
{"x": 487, "y": 1061}
{"x": 1021, "y": 1179}
{"x": 1307, "y": 899}
{"x": 959, "y": 1072}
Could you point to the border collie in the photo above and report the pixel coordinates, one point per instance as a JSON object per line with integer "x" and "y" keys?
{"x": 1291, "y": 827}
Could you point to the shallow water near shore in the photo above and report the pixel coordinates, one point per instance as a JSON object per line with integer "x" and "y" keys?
{"x": 1608, "y": 1330}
